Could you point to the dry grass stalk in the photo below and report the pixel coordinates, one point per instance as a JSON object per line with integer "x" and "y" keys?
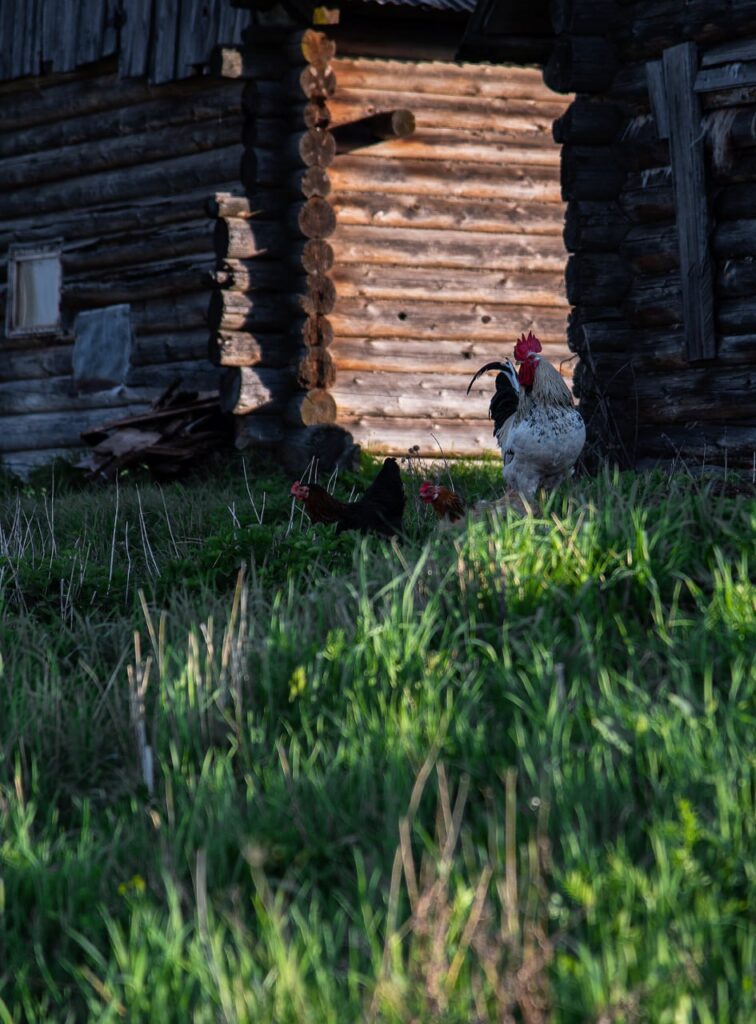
{"x": 505, "y": 948}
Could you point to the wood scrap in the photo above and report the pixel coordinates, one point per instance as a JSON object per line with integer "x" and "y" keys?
{"x": 181, "y": 428}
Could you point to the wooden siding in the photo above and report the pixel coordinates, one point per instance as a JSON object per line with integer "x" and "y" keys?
{"x": 122, "y": 173}
{"x": 661, "y": 277}
{"x": 162, "y": 40}
{"x": 448, "y": 244}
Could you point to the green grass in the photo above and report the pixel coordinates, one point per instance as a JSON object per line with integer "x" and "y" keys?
{"x": 499, "y": 774}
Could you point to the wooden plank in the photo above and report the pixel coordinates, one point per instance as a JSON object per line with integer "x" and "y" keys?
{"x": 730, "y": 76}
{"x": 54, "y": 430}
{"x": 7, "y": 19}
{"x": 229, "y": 25}
{"x": 193, "y": 375}
{"x": 36, "y": 363}
{"x": 739, "y": 49}
{"x": 163, "y": 45}
{"x": 361, "y": 173}
{"x": 33, "y": 40}
{"x": 158, "y": 316}
{"x": 474, "y": 113}
{"x": 689, "y": 178}
{"x": 53, "y": 99}
{"x": 22, "y": 463}
{"x": 130, "y": 259}
{"x": 146, "y": 281}
{"x": 418, "y": 355}
{"x": 111, "y": 31}
{"x": 448, "y": 213}
{"x": 58, "y": 37}
{"x": 420, "y": 78}
{"x": 136, "y": 34}
{"x": 449, "y": 285}
{"x": 415, "y": 247}
{"x": 152, "y": 179}
{"x": 434, "y": 436}
{"x": 66, "y": 46}
{"x": 22, "y": 25}
{"x": 376, "y": 393}
{"x": 139, "y": 148}
{"x": 56, "y": 394}
{"x": 215, "y": 104}
{"x": 140, "y": 214}
{"x": 478, "y": 148}
{"x": 694, "y": 393}
{"x": 177, "y": 346}
{"x": 389, "y": 318}
{"x": 706, "y": 443}
{"x": 89, "y": 31}
{"x": 656, "y": 94}
{"x": 192, "y": 47}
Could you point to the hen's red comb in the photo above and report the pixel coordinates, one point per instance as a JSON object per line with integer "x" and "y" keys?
{"x": 524, "y": 346}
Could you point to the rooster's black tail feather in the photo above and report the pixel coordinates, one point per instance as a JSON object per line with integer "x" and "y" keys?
{"x": 507, "y": 395}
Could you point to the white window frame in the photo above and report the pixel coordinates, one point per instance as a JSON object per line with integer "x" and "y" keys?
{"x": 22, "y": 253}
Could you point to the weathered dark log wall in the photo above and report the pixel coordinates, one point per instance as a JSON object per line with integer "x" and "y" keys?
{"x": 121, "y": 172}
{"x": 652, "y": 384}
{"x": 162, "y": 40}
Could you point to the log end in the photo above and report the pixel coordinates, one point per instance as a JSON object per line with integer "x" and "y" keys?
{"x": 314, "y": 408}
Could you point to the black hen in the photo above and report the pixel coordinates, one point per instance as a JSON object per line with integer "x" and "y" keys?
{"x": 379, "y": 510}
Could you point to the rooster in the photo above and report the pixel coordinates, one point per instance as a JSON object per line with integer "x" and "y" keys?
{"x": 536, "y": 425}
{"x": 450, "y": 507}
{"x": 379, "y": 510}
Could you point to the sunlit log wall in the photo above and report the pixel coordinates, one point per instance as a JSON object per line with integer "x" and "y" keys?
{"x": 411, "y": 256}
{"x": 120, "y": 169}
{"x": 648, "y": 387}
{"x": 448, "y": 244}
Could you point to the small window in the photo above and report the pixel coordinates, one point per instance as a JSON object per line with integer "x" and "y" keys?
{"x": 34, "y": 275}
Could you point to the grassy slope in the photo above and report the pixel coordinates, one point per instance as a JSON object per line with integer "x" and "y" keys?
{"x": 504, "y": 771}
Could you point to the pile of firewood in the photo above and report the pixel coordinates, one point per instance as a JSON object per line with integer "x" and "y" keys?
{"x": 180, "y": 429}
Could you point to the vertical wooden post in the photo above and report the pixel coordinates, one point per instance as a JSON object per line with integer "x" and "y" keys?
{"x": 655, "y": 82}
{"x": 688, "y": 175}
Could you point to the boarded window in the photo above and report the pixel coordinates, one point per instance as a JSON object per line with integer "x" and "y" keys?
{"x": 34, "y": 276}
{"x": 102, "y": 348}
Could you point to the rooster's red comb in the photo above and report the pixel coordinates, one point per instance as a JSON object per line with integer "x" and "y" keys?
{"x": 524, "y": 346}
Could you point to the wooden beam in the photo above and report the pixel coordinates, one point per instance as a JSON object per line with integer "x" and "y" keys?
{"x": 739, "y": 49}
{"x": 655, "y": 78}
{"x": 689, "y": 180}
{"x": 728, "y": 76}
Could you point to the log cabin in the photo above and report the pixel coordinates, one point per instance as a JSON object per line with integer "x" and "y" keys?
{"x": 659, "y": 175}
{"x": 332, "y": 216}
